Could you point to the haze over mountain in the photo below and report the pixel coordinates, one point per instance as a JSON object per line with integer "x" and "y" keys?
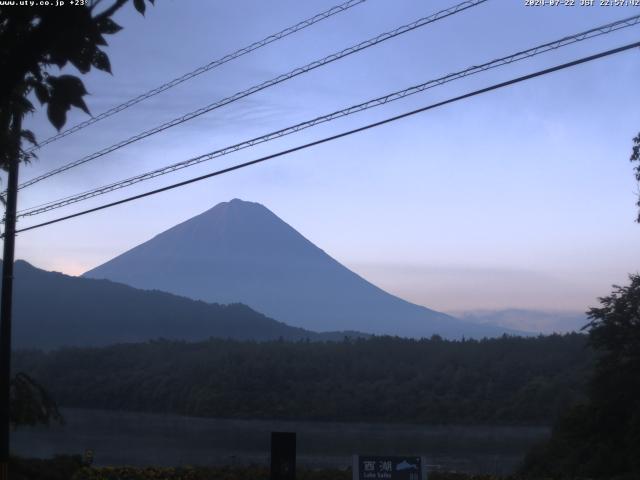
{"x": 53, "y": 310}
{"x": 242, "y": 252}
{"x": 534, "y": 321}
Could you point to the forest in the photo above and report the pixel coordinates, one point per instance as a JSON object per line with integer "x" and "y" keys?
{"x": 507, "y": 380}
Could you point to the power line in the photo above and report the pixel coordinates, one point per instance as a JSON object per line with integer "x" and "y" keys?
{"x": 205, "y": 68}
{"x": 474, "y": 93}
{"x": 567, "y": 40}
{"x": 269, "y": 83}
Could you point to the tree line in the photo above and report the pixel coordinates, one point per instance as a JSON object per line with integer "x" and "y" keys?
{"x": 508, "y": 380}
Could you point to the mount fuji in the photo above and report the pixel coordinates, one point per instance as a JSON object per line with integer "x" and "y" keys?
{"x": 240, "y": 251}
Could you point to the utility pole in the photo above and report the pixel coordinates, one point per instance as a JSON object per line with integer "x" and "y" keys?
{"x": 6, "y": 296}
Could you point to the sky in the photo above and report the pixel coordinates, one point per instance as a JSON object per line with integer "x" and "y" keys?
{"x": 520, "y": 198}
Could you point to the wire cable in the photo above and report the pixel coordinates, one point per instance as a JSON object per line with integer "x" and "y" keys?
{"x": 474, "y": 93}
{"x": 205, "y": 68}
{"x": 540, "y": 49}
{"x": 269, "y": 83}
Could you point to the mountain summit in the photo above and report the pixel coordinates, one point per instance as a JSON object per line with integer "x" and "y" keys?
{"x": 242, "y": 252}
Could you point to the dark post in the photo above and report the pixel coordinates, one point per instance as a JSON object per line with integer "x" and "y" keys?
{"x": 6, "y": 297}
{"x": 283, "y": 455}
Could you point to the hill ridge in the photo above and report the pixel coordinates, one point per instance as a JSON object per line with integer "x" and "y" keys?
{"x": 76, "y": 311}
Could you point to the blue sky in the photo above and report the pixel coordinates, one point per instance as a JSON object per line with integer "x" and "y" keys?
{"x": 522, "y": 197}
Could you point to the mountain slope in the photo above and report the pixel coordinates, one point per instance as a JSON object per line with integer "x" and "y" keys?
{"x": 53, "y": 310}
{"x": 241, "y": 252}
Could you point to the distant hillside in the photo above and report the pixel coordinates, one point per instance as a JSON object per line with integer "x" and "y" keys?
{"x": 52, "y": 310}
{"x": 241, "y": 252}
{"x": 535, "y": 321}
{"x": 505, "y": 380}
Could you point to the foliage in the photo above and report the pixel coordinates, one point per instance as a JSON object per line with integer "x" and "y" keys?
{"x": 170, "y": 473}
{"x": 36, "y": 38}
{"x": 635, "y": 157}
{"x": 62, "y": 467}
{"x": 30, "y": 403}
{"x": 240, "y": 473}
{"x": 71, "y": 468}
{"x": 33, "y": 39}
{"x": 601, "y": 437}
{"x": 509, "y": 380}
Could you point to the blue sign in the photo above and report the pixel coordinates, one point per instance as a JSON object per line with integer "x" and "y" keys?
{"x": 370, "y": 467}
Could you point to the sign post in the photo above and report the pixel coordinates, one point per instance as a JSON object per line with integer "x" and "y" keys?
{"x": 379, "y": 467}
{"x": 283, "y": 455}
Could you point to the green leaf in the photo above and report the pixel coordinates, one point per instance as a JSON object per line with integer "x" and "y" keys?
{"x": 31, "y": 404}
{"x": 66, "y": 91}
{"x": 99, "y": 40}
{"x": 57, "y": 114}
{"x": 83, "y": 58}
{"x": 101, "y": 61}
{"x": 79, "y": 103}
{"x": 72, "y": 84}
{"x": 24, "y": 105}
{"x": 42, "y": 93}
{"x": 140, "y": 6}
{"x": 108, "y": 26}
{"x": 29, "y": 136}
{"x": 67, "y": 86}
{"x": 58, "y": 59}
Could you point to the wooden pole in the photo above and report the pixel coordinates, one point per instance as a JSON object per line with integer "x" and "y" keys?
{"x": 6, "y": 297}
